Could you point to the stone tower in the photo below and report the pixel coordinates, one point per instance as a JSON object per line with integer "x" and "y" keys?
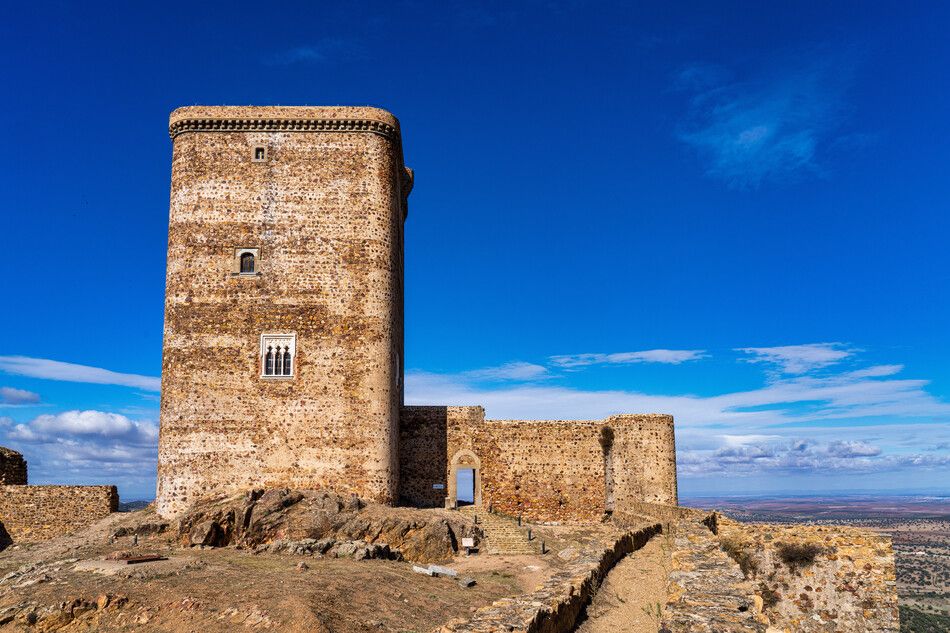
{"x": 283, "y": 345}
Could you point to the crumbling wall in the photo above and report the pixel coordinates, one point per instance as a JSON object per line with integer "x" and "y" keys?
{"x": 39, "y": 513}
{"x": 325, "y": 209}
{"x": 544, "y": 470}
{"x": 12, "y": 468}
{"x": 817, "y": 578}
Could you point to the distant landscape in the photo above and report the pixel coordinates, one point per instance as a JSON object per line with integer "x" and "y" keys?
{"x": 918, "y": 524}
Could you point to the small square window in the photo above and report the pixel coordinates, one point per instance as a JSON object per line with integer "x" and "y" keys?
{"x": 260, "y": 154}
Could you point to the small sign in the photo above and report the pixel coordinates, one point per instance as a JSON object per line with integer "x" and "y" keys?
{"x": 468, "y": 542}
{"x": 438, "y": 486}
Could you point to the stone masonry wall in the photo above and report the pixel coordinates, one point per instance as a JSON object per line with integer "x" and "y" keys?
{"x": 326, "y": 209}
{"x": 39, "y": 513}
{"x": 817, "y": 578}
{"x": 544, "y": 470}
{"x": 12, "y": 467}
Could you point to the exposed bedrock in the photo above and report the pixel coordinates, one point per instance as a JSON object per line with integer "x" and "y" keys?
{"x": 284, "y": 515}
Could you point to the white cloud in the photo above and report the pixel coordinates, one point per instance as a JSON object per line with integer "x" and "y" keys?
{"x": 667, "y": 356}
{"x": 11, "y": 395}
{"x": 70, "y": 372}
{"x": 516, "y": 371}
{"x": 84, "y": 424}
{"x": 753, "y": 431}
{"x": 801, "y": 359}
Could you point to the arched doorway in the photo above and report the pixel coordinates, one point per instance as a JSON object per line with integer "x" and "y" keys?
{"x": 465, "y": 479}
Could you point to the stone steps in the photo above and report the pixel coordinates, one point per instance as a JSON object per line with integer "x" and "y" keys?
{"x": 502, "y": 535}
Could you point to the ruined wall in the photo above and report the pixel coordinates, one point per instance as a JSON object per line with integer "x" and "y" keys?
{"x": 544, "y": 470}
{"x": 325, "y": 209}
{"x": 12, "y": 467}
{"x": 816, "y": 578}
{"x": 644, "y": 459}
{"x": 39, "y": 513}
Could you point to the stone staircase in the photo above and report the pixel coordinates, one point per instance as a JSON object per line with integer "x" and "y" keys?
{"x": 503, "y": 535}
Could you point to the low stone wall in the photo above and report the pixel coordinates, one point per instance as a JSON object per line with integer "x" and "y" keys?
{"x": 811, "y": 578}
{"x": 39, "y": 513}
{"x": 555, "y": 606}
{"x": 634, "y": 512}
{"x": 12, "y": 468}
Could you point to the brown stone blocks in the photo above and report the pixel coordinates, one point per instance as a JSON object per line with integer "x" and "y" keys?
{"x": 12, "y": 467}
{"x": 39, "y": 513}
{"x": 326, "y": 210}
{"x": 543, "y": 470}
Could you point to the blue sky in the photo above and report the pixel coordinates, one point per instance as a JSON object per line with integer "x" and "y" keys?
{"x": 733, "y": 213}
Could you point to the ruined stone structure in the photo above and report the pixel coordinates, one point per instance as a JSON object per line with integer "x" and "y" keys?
{"x": 284, "y": 337}
{"x": 543, "y": 470}
{"x": 39, "y": 513}
{"x": 12, "y": 468}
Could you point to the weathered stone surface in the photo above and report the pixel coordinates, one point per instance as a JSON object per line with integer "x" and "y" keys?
{"x": 780, "y": 578}
{"x": 39, "y": 513}
{"x": 554, "y": 607}
{"x": 12, "y": 468}
{"x": 543, "y": 470}
{"x": 707, "y": 592}
{"x": 818, "y": 578}
{"x": 325, "y": 209}
{"x": 308, "y": 522}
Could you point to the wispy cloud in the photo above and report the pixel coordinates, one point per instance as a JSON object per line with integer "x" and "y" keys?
{"x": 13, "y": 396}
{"x": 513, "y": 371}
{"x": 800, "y": 359}
{"x": 324, "y": 51}
{"x": 866, "y": 419}
{"x": 667, "y": 356}
{"x": 70, "y": 372}
{"x": 770, "y": 126}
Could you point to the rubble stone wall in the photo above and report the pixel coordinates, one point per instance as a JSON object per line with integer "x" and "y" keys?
{"x": 811, "y": 578}
{"x": 39, "y": 513}
{"x": 324, "y": 208}
{"x": 12, "y": 467}
{"x": 544, "y": 470}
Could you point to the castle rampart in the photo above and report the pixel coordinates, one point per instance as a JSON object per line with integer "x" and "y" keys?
{"x": 544, "y": 470}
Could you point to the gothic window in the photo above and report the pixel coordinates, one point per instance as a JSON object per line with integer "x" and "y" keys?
{"x": 269, "y": 362}
{"x": 247, "y": 263}
{"x": 277, "y": 353}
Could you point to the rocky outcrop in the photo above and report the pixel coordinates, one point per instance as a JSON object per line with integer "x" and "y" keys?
{"x": 296, "y": 516}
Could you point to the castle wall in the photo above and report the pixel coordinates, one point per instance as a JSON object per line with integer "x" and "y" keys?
{"x": 12, "y": 468}
{"x": 39, "y": 513}
{"x": 544, "y": 470}
{"x": 326, "y": 210}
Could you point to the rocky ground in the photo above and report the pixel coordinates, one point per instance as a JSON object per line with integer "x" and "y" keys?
{"x": 282, "y": 561}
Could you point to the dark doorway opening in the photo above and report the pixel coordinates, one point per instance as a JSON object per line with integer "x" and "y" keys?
{"x": 465, "y": 486}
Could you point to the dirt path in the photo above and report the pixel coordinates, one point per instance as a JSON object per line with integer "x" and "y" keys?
{"x": 633, "y": 593}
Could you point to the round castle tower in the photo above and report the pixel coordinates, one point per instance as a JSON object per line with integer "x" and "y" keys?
{"x": 283, "y": 345}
